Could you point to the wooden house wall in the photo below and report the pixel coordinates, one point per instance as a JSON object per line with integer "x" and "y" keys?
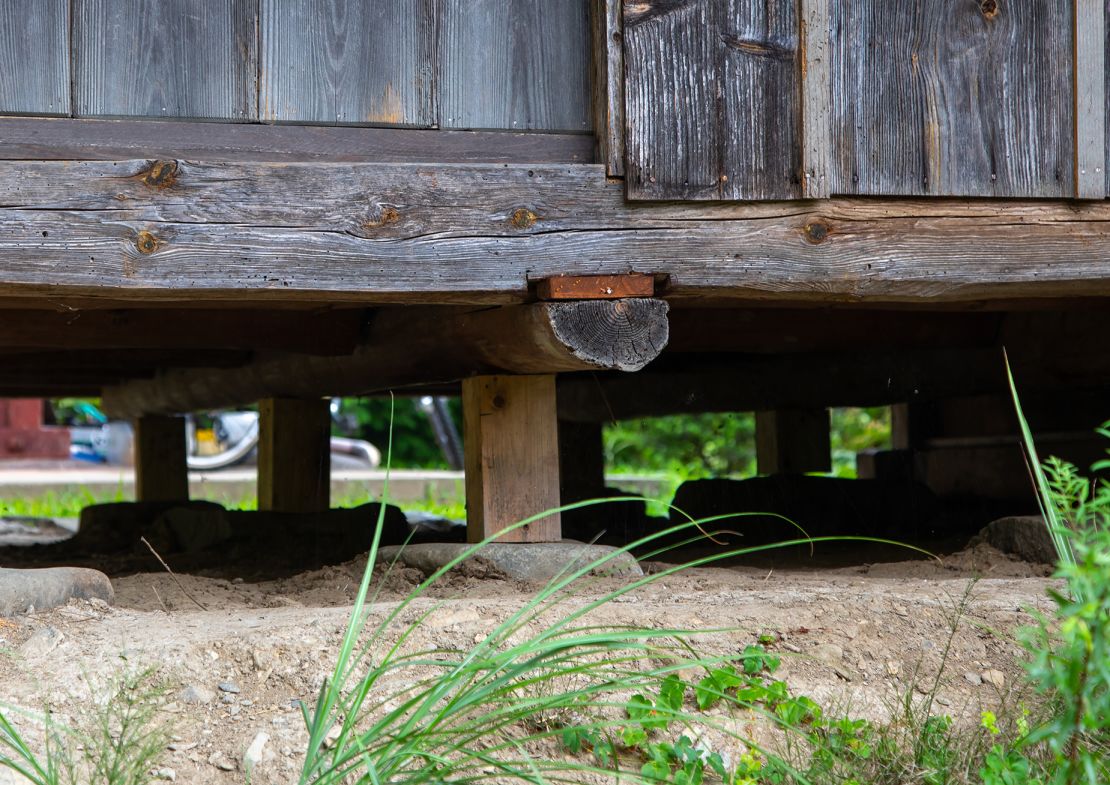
{"x": 771, "y": 99}
{"x": 484, "y": 64}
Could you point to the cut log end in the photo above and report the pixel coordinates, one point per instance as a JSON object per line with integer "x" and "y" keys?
{"x": 623, "y": 334}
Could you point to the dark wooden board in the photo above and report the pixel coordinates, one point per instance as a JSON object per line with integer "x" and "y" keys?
{"x": 711, "y": 99}
{"x": 420, "y": 233}
{"x": 348, "y": 62}
{"x": 953, "y": 98}
{"x": 515, "y": 64}
{"x": 89, "y": 140}
{"x": 34, "y": 57}
{"x": 608, "y": 83}
{"x": 172, "y": 58}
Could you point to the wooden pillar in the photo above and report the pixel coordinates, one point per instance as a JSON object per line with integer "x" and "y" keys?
{"x": 792, "y": 441}
{"x": 581, "y": 461}
{"x": 294, "y": 455}
{"x": 161, "y": 474}
{"x": 512, "y": 456}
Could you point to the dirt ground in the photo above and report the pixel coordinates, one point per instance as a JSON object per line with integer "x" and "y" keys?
{"x": 853, "y": 636}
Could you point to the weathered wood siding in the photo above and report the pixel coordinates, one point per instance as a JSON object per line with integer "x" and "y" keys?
{"x": 34, "y": 57}
{"x": 520, "y": 64}
{"x": 953, "y": 97}
{"x": 195, "y": 59}
{"x": 349, "y": 61}
{"x": 459, "y": 64}
{"x": 711, "y": 99}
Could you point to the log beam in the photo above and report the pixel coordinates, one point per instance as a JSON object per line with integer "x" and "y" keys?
{"x": 512, "y": 457}
{"x": 161, "y": 473}
{"x": 294, "y": 455}
{"x": 420, "y": 233}
{"x": 419, "y": 346}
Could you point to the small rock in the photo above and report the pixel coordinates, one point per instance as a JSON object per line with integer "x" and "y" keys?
{"x": 829, "y": 653}
{"x": 901, "y": 611}
{"x": 220, "y": 761}
{"x": 227, "y": 699}
{"x": 893, "y": 668}
{"x": 253, "y": 756}
{"x": 229, "y": 687}
{"x": 263, "y": 659}
{"x": 195, "y": 695}
{"x": 943, "y": 701}
{"x": 995, "y": 678}
{"x": 973, "y": 678}
{"x": 41, "y": 643}
{"x": 181, "y": 746}
{"x": 165, "y": 774}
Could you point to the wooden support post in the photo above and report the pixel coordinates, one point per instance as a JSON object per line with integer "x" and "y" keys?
{"x": 294, "y": 455}
{"x": 161, "y": 474}
{"x": 581, "y": 461}
{"x": 792, "y": 441}
{"x": 512, "y": 456}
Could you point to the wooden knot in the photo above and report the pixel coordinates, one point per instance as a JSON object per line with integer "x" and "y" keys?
{"x": 498, "y": 401}
{"x": 816, "y": 232}
{"x": 146, "y": 242}
{"x": 162, "y": 174}
{"x": 386, "y": 214}
{"x": 989, "y": 8}
{"x": 523, "y": 218}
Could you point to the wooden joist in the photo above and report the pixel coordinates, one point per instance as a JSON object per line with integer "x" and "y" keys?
{"x": 294, "y": 455}
{"x": 415, "y": 233}
{"x": 327, "y": 332}
{"x": 161, "y": 471}
{"x": 421, "y": 346}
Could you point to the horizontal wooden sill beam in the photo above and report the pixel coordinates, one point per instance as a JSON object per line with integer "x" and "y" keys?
{"x": 407, "y": 346}
{"x": 440, "y": 233}
{"x": 38, "y": 138}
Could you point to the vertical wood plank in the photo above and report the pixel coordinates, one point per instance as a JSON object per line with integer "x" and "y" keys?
{"x": 34, "y": 57}
{"x": 953, "y": 99}
{"x": 515, "y": 64}
{"x": 512, "y": 456}
{"x": 349, "y": 62}
{"x": 608, "y": 84}
{"x": 712, "y": 99}
{"x": 172, "y": 58}
{"x": 792, "y": 441}
{"x": 294, "y": 455}
{"x": 815, "y": 98}
{"x": 161, "y": 472}
{"x": 1090, "y": 99}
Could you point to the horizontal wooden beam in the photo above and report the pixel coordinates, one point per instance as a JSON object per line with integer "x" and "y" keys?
{"x": 407, "y": 346}
{"x": 326, "y": 332}
{"x": 24, "y": 138}
{"x": 435, "y": 233}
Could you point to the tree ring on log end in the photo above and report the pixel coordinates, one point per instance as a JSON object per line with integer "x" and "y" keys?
{"x": 624, "y": 334}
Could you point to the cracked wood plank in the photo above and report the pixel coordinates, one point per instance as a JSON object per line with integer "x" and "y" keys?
{"x": 135, "y": 230}
{"x": 712, "y": 99}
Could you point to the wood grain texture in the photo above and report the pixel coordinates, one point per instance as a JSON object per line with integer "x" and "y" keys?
{"x": 516, "y": 64}
{"x": 294, "y": 455}
{"x": 410, "y": 346}
{"x": 511, "y": 442}
{"x": 608, "y": 83}
{"x": 595, "y": 287}
{"x": 88, "y": 140}
{"x": 34, "y": 57}
{"x": 1090, "y": 99}
{"x": 952, "y": 98}
{"x": 816, "y": 97}
{"x": 365, "y": 233}
{"x": 173, "y": 58}
{"x": 161, "y": 471}
{"x": 349, "y": 62}
{"x": 711, "y": 99}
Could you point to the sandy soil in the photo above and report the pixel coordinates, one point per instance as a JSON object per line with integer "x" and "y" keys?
{"x": 849, "y": 636}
